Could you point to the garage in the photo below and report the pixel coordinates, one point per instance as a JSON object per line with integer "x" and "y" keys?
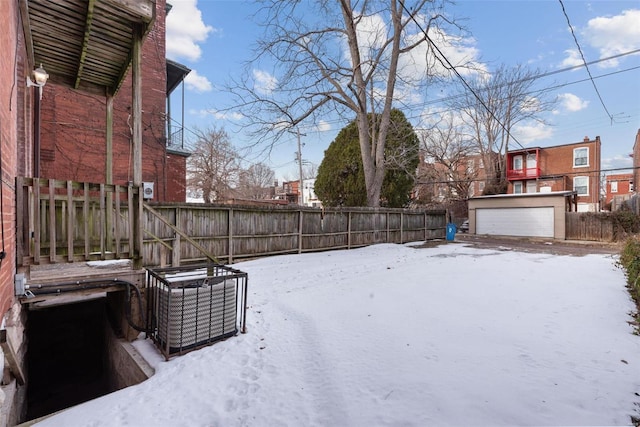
{"x": 523, "y": 215}
{"x": 534, "y": 222}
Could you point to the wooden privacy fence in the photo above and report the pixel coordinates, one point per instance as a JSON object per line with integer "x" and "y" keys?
{"x": 233, "y": 232}
{"x": 588, "y": 226}
{"x": 64, "y": 221}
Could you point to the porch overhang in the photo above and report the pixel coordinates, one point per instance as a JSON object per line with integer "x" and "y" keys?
{"x": 85, "y": 44}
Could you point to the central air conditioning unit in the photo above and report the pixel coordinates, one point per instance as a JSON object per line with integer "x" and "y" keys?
{"x": 192, "y": 309}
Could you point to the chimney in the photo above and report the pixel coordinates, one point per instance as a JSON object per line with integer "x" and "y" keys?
{"x": 586, "y": 139}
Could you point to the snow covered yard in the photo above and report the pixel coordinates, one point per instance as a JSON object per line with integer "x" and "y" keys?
{"x": 392, "y": 335}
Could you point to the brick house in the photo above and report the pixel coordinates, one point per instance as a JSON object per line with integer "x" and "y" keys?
{"x": 636, "y": 158}
{"x": 569, "y": 167}
{"x": 73, "y": 124}
{"x": 619, "y": 187}
{"x": 99, "y": 118}
{"x": 441, "y": 183}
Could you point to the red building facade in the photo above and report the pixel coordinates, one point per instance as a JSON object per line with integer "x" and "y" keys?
{"x": 573, "y": 167}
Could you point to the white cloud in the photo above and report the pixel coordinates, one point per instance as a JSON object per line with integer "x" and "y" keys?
{"x": 323, "y": 126}
{"x": 185, "y": 30}
{"x": 219, "y": 115}
{"x": 613, "y": 35}
{"x": 528, "y": 133}
{"x": 617, "y": 161}
{"x": 573, "y": 58}
{"x": 197, "y": 83}
{"x": 264, "y": 83}
{"x": 572, "y": 103}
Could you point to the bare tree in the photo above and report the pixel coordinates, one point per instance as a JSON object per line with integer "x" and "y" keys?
{"x": 214, "y": 165}
{"x": 256, "y": 182}
{"x": 448, "y": 154}
{"x": 507, "y": 98}
{"x": 309, "y": 170}
{"x": 345, "y": 57}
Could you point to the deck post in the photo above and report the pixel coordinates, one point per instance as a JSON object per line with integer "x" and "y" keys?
{"x": 136, "y": 114}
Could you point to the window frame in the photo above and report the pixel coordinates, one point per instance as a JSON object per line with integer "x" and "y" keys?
{"x": 516, "y": 185}
{"x": 586, "y": 178}
{"x": 586, "y": 157}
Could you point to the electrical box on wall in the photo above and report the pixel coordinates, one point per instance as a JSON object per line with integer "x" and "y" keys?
{"x": 147, "y": 190}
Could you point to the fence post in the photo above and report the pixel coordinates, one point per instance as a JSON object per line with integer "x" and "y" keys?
{"x": 401, "y": 227}
{"x": 230, "y": 228}
{"x": 388, "y": 231}
{"x": 349, "y": 230}
{"x": 71, "y": 216}
{"x": 300, "y": 231}
{"x": 177, "y": 246}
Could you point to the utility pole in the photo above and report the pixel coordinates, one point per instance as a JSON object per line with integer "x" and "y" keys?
{"x": 300, "y": 195}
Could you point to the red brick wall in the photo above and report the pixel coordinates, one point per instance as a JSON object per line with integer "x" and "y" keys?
{"x": 624, "y": 185}
{"x": 176, "y": 171}
{"x": 12, "y": 106}
{"x": 636, "y": 160}
{"x": 557, "y": 170}
{"x": 73, "y": 127}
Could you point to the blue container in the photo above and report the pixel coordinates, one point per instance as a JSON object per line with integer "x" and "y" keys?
{"x": 451, "y": 231}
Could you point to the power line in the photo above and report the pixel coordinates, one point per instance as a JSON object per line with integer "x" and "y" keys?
{"x": 584, "y": 61}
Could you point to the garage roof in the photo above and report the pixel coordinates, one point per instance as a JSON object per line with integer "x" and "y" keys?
{"x": 85, "y": 44}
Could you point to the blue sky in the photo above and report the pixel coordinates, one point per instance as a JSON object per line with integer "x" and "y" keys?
{"x": 216, "y": 37}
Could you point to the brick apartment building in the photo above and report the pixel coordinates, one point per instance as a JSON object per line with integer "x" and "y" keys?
{"x": 58, "y": 129}
{"x": 440, "y": 183}
{"x": 636, "y": 158}
{"x": 574, "y": 167}
{"x": 72, "y": 129}
{"x": 619, "y": 188}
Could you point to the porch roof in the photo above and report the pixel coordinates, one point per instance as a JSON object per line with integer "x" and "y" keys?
{"x": 85, "y": 44}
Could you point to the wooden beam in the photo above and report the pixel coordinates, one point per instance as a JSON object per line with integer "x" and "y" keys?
{"x": 143, "y": 10}
{"x": 136, "y": 115}
{"x": 26, "y": 25}
{"x": 11, "y": 357}
{"x": 197, "y": 245}
{"x": 85, "y": 42}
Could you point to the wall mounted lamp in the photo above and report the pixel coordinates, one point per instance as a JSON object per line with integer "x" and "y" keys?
{"x": 38, "y": 77}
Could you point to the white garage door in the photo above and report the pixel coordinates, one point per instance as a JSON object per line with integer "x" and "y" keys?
{"x": 533, "y": 222}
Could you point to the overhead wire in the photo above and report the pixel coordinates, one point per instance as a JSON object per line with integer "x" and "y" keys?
{"x": 584, "y": 61}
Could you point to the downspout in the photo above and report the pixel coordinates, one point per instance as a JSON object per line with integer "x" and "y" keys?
{"x": 37, "y": 121}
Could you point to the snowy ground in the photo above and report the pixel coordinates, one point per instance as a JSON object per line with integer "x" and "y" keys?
{"x": 392, "y": 335}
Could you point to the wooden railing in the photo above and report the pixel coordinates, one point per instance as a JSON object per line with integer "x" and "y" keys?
{"x": 64, "y": 221}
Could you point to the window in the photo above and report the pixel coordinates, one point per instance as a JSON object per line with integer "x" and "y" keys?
{"x": 581, "y": 157}
{"x": 481, "y": 186}
{"x": 581, "y": 185}
{"x": 614, "y": 186}
{"x": 517, "y": 187}
{"x": 532, "y": 186}
{"x": 517, "y": 163}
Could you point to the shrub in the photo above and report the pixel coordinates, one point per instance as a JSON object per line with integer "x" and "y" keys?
{"x": 630, "y": 261}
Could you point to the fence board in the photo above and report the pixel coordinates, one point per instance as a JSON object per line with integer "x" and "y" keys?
{"x": 238, "y": 232}
{"x": 588, "y": 226}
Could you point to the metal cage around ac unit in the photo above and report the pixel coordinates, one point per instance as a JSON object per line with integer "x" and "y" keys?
{"x": 193, "y": 306}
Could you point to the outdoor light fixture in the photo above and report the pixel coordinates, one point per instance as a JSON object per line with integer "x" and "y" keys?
{"x": 38, "y": 78}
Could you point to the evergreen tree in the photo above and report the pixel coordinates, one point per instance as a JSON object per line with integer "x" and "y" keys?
{"x": 340, "y": 180}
